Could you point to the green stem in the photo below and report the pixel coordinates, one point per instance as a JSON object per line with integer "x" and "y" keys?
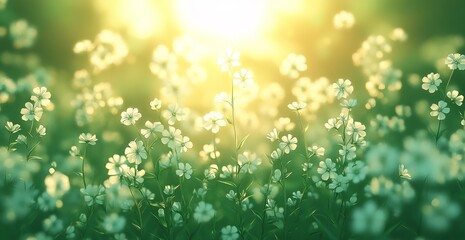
{"x": 262, "y": 234}
{"x": 82, "y": 167}
{"x": 443, "y": 99}
{"x": 138, "y": 211}
{"x": 303, "y": 132}
{"x": 283, "y": 183}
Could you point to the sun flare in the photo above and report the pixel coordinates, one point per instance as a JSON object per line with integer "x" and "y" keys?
{"x": 232, "y": 21}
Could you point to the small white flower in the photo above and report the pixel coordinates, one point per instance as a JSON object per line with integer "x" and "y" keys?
{"x": 130, "y": 116}
{"x": 296, "y": 106}
{"x": 455, "y": 60}
{"x": 213, "y": 121}
{"x": 228, "y": 59}
{"x": 333, "y": 123}
{"x": 293, "y": 65}
{"x": 171, "y": 137}
{"x": 455, "y": 97}
{"x": 41, "y": 96}
{"x": 184, "y": 170}
{"x": 155, "y": 104}
{"x": 403, "y": 172}
{"x": 31, "y": 112}
{"x": 243, "y": 78}
{"x": 248, "y": 162}
{"x": 135, "y": 152}
{"x": 41, "y": 130}
{"x": 173, "y": 114}
{"x": 343, "y": 20}
{"x": 431, "y": 82}
{"x": 343, "y": 88}
{"x": 12, "y": 128}
{"x": 273, "y": 135}
{"x": 440, "y": 110}
{"x": 315, "y": 150}
{"x": 93, "y": 194}
{"x": 288, "y": 143}
{"x": 151, "y": 129}
{"x": 88, "y": 138}
{"x": 204, "y": 212}
{"x": 229, "y": 233}
{"x": 327, "y": 169}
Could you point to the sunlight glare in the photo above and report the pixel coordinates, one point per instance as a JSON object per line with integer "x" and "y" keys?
{"x": 222, "y": 19}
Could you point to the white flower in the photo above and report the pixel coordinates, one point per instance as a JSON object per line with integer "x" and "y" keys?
{"x": 403, "y": 172}
{"x": 333, "y": 123}
{"x": 369, "y": 219}
{"x": 297, "y": 106}
{"x": 135, "y": 152}
{"x": 229, "y": 233}
{"x": 204, "y": 212}
{"x": 455, "y": 60}
{"x": 151, "y": 129}
{"x": 113, "y": 223}
{"x": 41, "y": 96}
{"x": 213, "y": 121}
{"x": 243, "y": 78}
{"x": 184, "y": 170}
{"x": 440, "y": 110}
{"x": 155, "y": 104}
{"x": 431, "y": 82}
{"x": 327, "y": 169}
{"x": 130, "y": 116}
{"x": 93, "y": 194}
{"x": 173, "y": 114}
{"x": 88, "y": 138}
{"x": 248, "y": 162}
{"x": 343, "y": 20}
{"x": 273, "y": 135}
{"x": 455, "y": 97}
{"x": 115, "y": 165}
{"x": 349, "y": 104}
{"x": 41, "y": 130}
{"x": 293, "y": 65}
{"x": 339, "y": 184}
{"x": 228, "y": 59}
{"x": 185, "y": 144}
{"x": 171, "y": 137}
{"x": 288, "y": 143}
{"x": 315, "y": 150}
{"x": 12, "y": 128}
{"x": 31, "y": 112}
{"x": 343, "y": 88}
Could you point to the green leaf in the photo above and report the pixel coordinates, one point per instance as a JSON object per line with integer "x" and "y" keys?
{"x": 227, "y": 183}
{"x": 306, "y": 128}
{"x": 34, "y": 158}
{"x": 136, "y": 226}
{"x": 229, "y": 121}
{"x": 287, "y": 175}
{"x": 256, "y": 214}
{"x": 241, "y": 144}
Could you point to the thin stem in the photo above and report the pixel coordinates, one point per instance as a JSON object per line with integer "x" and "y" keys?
{"x": 233, "y": 114}
{"x": 82, "y": 167}
{"x": 262, "y": 234}
{"x": 31, "y": 150}
{"x": 283, "y": 183}
{"x": 303, "y": 132}
{"x": 138, "y": 211}
{"x": 9, "y": 141}
{"x": 443, "y": 99}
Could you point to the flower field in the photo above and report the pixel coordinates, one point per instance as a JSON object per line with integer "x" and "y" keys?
{"x": 319, "y": 119}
